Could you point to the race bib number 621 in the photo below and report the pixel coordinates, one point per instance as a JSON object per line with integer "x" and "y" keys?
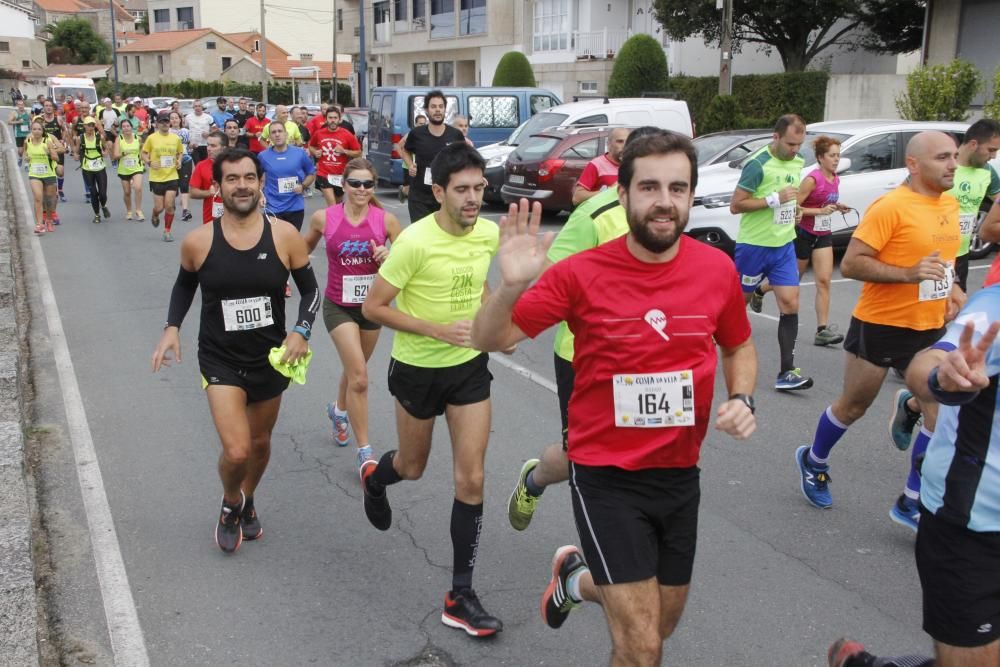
{"x": 654, "y": 400}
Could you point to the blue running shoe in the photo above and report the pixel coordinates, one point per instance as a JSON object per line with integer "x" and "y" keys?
{"x": 792, "y": 380}
{"x": 906, "y": 512}
{"x": 341, "y": 426}
{"x": 814, "y": 482}
{"x": 902, "y": 421}
{"x": 365, "y": 454}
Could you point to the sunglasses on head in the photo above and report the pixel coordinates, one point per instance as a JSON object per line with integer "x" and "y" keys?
{"x": 358, "y": 183}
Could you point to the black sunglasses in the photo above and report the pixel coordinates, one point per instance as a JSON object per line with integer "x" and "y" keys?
{"x": 358, "y": 183}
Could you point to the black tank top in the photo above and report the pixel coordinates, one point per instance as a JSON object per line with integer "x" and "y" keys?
{"x": 242, "y": 301}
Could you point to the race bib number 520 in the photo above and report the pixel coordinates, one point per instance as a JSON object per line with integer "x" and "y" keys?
{"x": 247, "y": 314}
{"x": 654, "y": 400}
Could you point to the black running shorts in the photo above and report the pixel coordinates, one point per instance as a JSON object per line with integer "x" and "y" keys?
{"x": 806, "y": 242}
{"x": 294, "y": 218}
{"x": 260, "y": 384}
{"x": 638, "y": 524}
{"x": 426, "y": 392}
{"x": 565, "y": 378}
{"x": 887, "y": 346}
{"x": 160, "y": 188}
{"x": 962, "y": 271}
{"x": 960, "y": 577}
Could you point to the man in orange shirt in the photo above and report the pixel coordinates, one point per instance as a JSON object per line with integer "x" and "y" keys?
{"x": 904, "y": 251}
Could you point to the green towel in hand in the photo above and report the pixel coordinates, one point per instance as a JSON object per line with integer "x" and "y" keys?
{"x": 294, "y": 371}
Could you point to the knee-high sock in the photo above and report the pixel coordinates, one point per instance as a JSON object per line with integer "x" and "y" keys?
{"x": 920, "y": 443}
{"x": 828, "y": 432}
{"x": 384, "y": 475}
{"x": 466, "y": 524}
{"x": 788, "y": 330}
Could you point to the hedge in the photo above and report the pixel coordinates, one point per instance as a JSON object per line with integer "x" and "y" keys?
{"x": 514, "y": 70}
{"x": 760, "y": 98}
{"x": 640, "y": 65}
{"x": 277, "y": 93}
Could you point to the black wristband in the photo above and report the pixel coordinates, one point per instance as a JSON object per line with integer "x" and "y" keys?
{"x": 948, "y": 397}
{"x": 746, "y": 399}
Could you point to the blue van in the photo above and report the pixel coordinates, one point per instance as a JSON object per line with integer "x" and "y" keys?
{"x": 493, "y": 114}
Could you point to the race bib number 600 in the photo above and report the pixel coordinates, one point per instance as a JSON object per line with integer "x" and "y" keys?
{"x": 654, "y": 400}
{"x": 247, "y": 314}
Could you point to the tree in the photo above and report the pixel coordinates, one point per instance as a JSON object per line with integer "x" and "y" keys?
{"x": 992, "y": 110}
{"x": 640, "y": 66}
{"x": 77, "y": 35}
{"x": 800, "y": 31}
{"x": 142, "y": 25}
{"x": 940, "y": 92}
{"x": 514, "y": 70}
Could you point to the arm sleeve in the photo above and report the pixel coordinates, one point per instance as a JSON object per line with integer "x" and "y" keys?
{"x": 181, "y": 297}
{"x": 733, "y": 325}
{"x": 305, "y": 281}
{"x": 577, "y": 234}
{"x": 588, "y": 179}
{"x": 751, "y": 177}
{"x": 545, "y": 303}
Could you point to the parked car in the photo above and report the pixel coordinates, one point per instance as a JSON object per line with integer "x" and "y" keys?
{"x": 547, "y": 165}
{"x": 493, "y": 114}
{"x": 359, "y": 119}
{"x": 668, "y": 114}
{"x": 872, "y": 163}
{"x": 719, "y": 147}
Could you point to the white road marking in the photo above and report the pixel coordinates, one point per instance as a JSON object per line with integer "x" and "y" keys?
{"x": 972, "y": 267}
{"x": 540, "y": 380}
{"x": 127, "y": 641}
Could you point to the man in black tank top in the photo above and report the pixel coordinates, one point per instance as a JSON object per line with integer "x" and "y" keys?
{"x": 241, "y": 262}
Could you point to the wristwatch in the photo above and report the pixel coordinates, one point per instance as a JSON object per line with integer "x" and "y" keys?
{"x": 746, "y": 399}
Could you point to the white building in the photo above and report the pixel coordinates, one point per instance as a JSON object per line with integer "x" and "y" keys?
{"x": 20, "y": 50}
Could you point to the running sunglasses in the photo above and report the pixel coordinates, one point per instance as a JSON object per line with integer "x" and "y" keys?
{"x": 358, "y": 183}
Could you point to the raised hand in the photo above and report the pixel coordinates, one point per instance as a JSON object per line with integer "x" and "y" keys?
{"x": 522, "y": 253}
{"x": 964, "y": 369}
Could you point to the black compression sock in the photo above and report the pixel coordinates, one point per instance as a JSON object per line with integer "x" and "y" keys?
{"x": 384, "y": 475}
{"x": 788, "y": 329}
{"x": 466, "y": 524}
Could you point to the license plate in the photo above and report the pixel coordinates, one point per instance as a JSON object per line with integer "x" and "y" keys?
{"x": 517, "y": 179}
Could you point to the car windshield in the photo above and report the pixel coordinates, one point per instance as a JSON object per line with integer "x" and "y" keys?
{"x": 709, "y": 146}
{"x": 535, "y": 148}
{"x": 89, "y": 94}
{"x": 536, "y": 124}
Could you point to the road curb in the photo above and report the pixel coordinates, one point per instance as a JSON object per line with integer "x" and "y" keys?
{"x": 18, "y": 602}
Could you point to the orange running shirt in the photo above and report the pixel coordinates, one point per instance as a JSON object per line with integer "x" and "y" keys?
{"x": 904, "y": 227}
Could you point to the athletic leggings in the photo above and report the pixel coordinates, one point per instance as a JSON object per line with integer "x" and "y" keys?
{"x": 97, "y": 183}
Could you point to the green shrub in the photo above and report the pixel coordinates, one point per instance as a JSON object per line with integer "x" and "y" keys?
{"x": 640, "y": 66}
{"x": 992, "y": 110}
{"x": 514, "y": 70}
{"x": 940, "y": 92}
{"x": 722, "y": 113}
{"x": 760, "y": 98}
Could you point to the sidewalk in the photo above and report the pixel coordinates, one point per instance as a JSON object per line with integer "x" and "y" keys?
{"x": 18, "y": 604}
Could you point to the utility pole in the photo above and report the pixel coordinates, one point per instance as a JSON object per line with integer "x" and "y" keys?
{"x": 726, "y": 48}
{"x": 363, "y": 64}
{"x": 263, "y": 54}
{"x": 114, "y": 46}
{"x": 333, "y": 96}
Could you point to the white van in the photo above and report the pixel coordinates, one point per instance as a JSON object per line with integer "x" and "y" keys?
{"x": 71, "y": 87}
{"x": 668, "y": 114}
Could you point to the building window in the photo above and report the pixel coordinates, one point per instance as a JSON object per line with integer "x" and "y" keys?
{"x": 588, "y": 87}
{"x": 419, "y": 13}
{"x": 399, "y": 10}
{"x": 125, "y": 63}
{"x": 185, "y": 18}
{"x": 210, "y": 46}
{"x": 442, "y": 18}
{"x": 161, "y": 20}
{"x": 444, "y": 73}
{"x": 227, "y": 63}
{"x": 159, "y": 62}
{"x": 550, "y": 25}
{"x": 25, "y": 64}
{"x": 340, "y": 20}
{"x": 421, "y": 74}
{"x": 472, "y": 20}
{"x": 381, "y": 12}
{"x": 138, "y": 67}
{"x": 4, "y": 47}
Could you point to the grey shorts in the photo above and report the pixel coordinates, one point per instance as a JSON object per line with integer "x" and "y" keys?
{"x": 47, "y": 181}
{"x": 334, "y": 315}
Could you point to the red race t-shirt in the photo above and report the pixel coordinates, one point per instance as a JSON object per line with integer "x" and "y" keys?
{"x": 632, "y": 320}
{"x": 315, "y": 123}
{"x": 255, "y": 126}
{"x": 201, "y": 178}
{"x": 599, "y": 173}
{"x": 326, "y": 140}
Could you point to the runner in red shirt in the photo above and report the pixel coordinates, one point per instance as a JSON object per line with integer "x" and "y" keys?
{"x": 645, "y": 362}
{"x": 601, "y": 173}
{"x": 319, "y": 120}
{"x": 332, "y": 147}
{"x": 254, "y": 126}
{"x": 200, "y": 184}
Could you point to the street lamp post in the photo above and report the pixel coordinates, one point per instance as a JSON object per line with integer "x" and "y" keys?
{"x": 333, "y": 93}
{"x": 363, "y": 65}
{"x": 114, "y": 45}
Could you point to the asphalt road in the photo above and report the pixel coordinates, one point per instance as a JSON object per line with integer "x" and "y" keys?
{"x": 775, "y": 581}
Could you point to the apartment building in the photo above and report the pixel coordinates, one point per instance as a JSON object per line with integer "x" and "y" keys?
{"x": 20, "y": 51}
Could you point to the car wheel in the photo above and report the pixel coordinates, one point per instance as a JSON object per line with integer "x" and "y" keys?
{"x": 713, "y": 238}
{"x": 979, "y": 248}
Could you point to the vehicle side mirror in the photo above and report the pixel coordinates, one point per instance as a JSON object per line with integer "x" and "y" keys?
{"x": 843, "y": 165}
{"x": 734, "y": 164}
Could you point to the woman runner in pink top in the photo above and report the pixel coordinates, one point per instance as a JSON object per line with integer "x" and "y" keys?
{"x": 355, "y": 232}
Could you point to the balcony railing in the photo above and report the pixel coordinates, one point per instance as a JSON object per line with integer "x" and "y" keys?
{"x": 605, "y": 43}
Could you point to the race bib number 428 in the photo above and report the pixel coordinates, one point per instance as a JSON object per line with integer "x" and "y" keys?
{"x": 247, "y": 314}
{"x": 654, "y": 400}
